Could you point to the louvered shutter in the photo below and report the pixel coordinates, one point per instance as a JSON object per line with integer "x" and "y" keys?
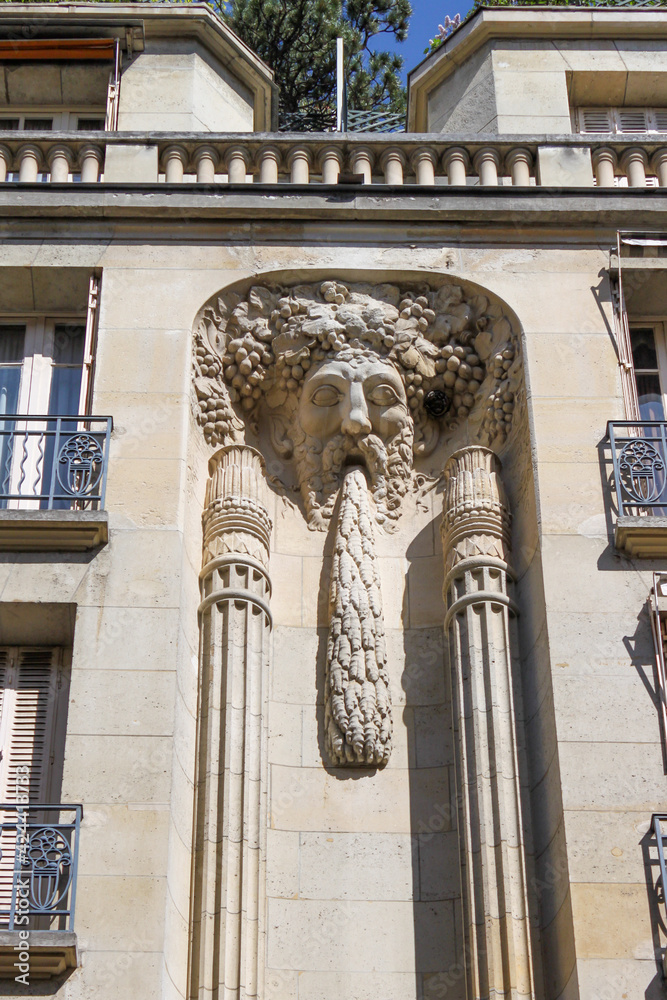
{"x": 595, "y": 120}
{"x": 30, "y": 680}
{"x": 632, "y": 121}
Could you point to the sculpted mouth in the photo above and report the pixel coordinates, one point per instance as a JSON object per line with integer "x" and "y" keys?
{"x": 355, "y": 460}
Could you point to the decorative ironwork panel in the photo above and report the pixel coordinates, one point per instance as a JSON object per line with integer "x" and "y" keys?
{"x": 40, "y": 848}
{"x": 53, "y": 462}
{"x": 639, "y": 459}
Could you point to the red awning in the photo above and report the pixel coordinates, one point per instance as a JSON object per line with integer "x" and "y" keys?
{"x": 57, "y": 48}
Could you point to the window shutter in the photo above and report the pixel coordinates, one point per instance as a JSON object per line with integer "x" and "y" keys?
{"x": 660, "y": 120}
{"x": 30, "y": 678}
{"x": 29, "y": 685}
{"x": 632, "y": 122}
{"x": 595, "y": 120}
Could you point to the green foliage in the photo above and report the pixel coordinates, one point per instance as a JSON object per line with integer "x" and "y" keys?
{"x": 436, "y": 42}
{"x": 297, "y": 38}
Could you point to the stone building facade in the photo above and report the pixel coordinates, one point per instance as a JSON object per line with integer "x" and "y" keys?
{"x": 331, "y": 537}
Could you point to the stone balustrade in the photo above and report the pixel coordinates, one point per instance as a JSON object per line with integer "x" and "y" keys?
{"x": 328, "y": 158}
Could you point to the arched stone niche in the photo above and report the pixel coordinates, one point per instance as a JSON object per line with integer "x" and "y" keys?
{"x": 338, "y": 412}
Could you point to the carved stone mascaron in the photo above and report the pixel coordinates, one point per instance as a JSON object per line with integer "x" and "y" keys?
{"x": 353, "y": 373}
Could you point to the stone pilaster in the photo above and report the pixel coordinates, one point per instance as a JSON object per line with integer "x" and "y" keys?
{"x": 479, "y": 622}
{"x": 230, "y": 820}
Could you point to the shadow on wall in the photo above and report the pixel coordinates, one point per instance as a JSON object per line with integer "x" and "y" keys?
{"x": 427, "y": 716}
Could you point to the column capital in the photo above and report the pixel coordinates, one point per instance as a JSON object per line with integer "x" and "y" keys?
{"x": 518, "y": 154}
{"x": 455, "y": 153}
{"x": 60, "y": 151}
{"x": 476, "y": 520}
{"x": 235, "y": 516}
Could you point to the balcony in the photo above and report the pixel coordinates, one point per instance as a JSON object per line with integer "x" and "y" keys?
{"x": 38, "y": 875}
{"x": 313, "y": 158}
{"x": 53, "y": 472}
{"x": 639, "y": 460}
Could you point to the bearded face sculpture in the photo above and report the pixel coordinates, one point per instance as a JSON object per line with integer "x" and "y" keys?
{"x": 370, "y": 375}
{"x": 353, "y": 410}
{"x": 352, "y": 383}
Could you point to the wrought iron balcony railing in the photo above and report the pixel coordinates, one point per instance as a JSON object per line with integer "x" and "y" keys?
{"x": 53, "y": 462}
{"x": 38, "y": 866}
{"x": 639, "y": 457}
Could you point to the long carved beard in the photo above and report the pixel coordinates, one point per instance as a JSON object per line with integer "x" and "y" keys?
{"x": 319, "y": 471}
{"x": 358, "y": 722}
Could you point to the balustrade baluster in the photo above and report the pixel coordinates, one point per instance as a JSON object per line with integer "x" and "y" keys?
{"x": 634, "y": 162}
{"x": 519, "y": 162}
{"x": 269, "y": 164}
{"x": 298, "y": 161}
{"x": 423, "y": 164}
{"x": 237, "y": 159}
{"x": 486, "y": 162}
{"x": 90, "y": 159}
{"x": 174, "y": 159}
{"x": 361, "y": 159}
{"x": 30, "y": 160}
{"x": 60, "y": 161}
{"x": 206, "y": 161}
{"x": 456, "y": 162}
{"x": 392, "y": 162}
{"x": 659, "y": 165}
{"x": 331, "y": 161}
{"x": 605, "y": 163}
{"x": 5, "y": 162}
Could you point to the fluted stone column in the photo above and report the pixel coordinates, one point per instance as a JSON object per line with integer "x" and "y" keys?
{"x": 235, "y": 624}
{"x": 482, "y": 645}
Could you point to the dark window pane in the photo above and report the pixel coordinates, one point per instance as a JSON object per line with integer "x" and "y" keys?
{"x": 650, "y": 398}
{"x": 12, "y": 340}
{"x": 68, "y": 341}
{"x": 10, "y": 379}
{"x": 38, "y": 124}
{"x": 643, "y": 348}
{"x": 90, "y": 124}
{"x": 9, "y": 124}
{"x": 65, "y": 390}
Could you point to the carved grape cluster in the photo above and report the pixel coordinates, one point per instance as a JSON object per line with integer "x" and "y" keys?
{"x": 214, "y": 413}
{"x": 462, "y": 374}
{"x": 261, "y": 346}
{"x": 245, "y": 364}
{"x": 500, "y": 405}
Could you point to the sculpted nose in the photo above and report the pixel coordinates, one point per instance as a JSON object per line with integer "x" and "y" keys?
{"x": 356, "y": 419}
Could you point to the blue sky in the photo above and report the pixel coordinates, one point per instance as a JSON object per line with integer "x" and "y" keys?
{"x": 426, "y": 16}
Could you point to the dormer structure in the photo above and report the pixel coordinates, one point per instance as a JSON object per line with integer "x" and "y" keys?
{"x": 526, "y": 71}
{"x": 139, "y": 67}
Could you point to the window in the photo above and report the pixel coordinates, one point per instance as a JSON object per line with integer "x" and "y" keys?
{"x": 33, "y": 707}
{"x": 41, "y": 374}
{"x": 649, "y": 357}
{"x": 622, "y": 121}
{"x": 46, "y": 119}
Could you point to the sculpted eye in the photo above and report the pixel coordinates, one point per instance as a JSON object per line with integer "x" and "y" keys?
{"x": 383, "y": 395}
{"x": 326, "y": 395}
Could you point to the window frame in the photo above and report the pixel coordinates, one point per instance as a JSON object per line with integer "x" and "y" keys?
{"x": 659, "y": 327}
{"x": 63, "y": 120}
{"x": 37, "y": 375}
